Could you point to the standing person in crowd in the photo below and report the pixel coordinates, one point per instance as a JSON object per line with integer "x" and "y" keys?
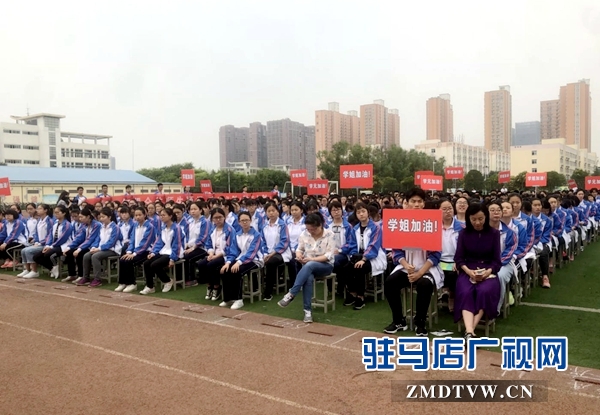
{"x": 167, "y": 249}
{"x": 81, "y": 245}
{"x": 103, "y": 195}
{"x": 142, "y": 237}
{"x": 316, "y": 253}
{"x": 276, "y": 247}
{"x": 128, "y": 195}
{"x": 79, "y": 197}
{"x": 413, "y": 266}
{"x": 107, "y": 244}
{"x": 42, "y": 236}
{"x": 451, "y": 228}
{"x": 275, "y": 190}
{"x": 60, "y": 238}
{"x": 244, "y": 255}
{"x": 478, "y": 260}
{"x": 295, "y": 227}
{"x": 12, "y": 236}
{"x": 218, "y": 245}
{"x": 159, "y": 189}
{"x": 63, "y": 199}
{"x": 195, "y": 248}
{"x": 366, "y": 256}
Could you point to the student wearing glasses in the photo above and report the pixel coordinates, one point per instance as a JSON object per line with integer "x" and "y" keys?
{"x": 461, "y": 208}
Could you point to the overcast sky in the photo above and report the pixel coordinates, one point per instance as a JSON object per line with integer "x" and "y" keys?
{"x": 168, "y": 74}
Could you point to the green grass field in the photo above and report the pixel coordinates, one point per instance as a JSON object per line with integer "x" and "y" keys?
{"x": 577, "y": 284}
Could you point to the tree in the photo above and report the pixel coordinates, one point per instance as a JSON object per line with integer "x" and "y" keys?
{"x": 491, "y": 181}
{"x": 474, "y": 180}
{"x": 555, "y": 180}
{"x": 169, "y": 174}
{"x": 579, "y": 176}
{"x": 517, "y": 182}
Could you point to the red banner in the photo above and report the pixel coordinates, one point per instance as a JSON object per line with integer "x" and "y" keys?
{"x": 412, "y": 229}
{"x": 353, "y": 176}
{"x": 591, "y": 182}
{"x": 188, "y": 178}
{"x": 205, "y": 186}
{"x": 299, "y": 177}
{"x": 504, "y": 176}
{"x": 318, "y": 187}
{"x": 179, "y": 197}
{"x": 419, "y": 174}
{"x": 432, "y": 183}
{"x": 536, "y": 179}
{"x": 4, "y": 186}
{"x": 573, "y": 184}
{"x": 454, "y": 173}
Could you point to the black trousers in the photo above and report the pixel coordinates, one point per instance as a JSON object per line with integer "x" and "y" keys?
{"x": 292, "y": 268}
{"x": 210, "y": 270}
{"x": 339, "y": 269}
{"x": 75, "y": 264}
{"x": 155, "y": 266}
{"x": 45, "y": 259}
{"x": 271, "y": 273}
{"x": 190, "y": 262}
{"x": 394, "y": 284}
{"x": 545, "y": 260}
{"x": 355, "y": 277}
{"x": 450, "y": 278}
{"x": 127, "y": 268}
{"x": 232, "y": 282}
{"x": 11, "y": 245}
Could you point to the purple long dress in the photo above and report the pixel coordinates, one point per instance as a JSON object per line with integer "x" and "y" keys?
{"x": 477, "y": 249}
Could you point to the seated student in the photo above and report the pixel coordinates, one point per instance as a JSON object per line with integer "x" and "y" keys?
{"x": 60, "y": 237}
{"x": 81, "y": 245}
{"x": 543, "y": 246}
{"x": 41, "y": 236}
{"x": 107, "y": 244}
{"x": 167, "y": 249}
{"x": 230, "y": 216}
{"x": 285, "y": 211}
{"x": 258, "y": 221}
{"x": 179, "y": 211}
{"x": 245, "y": 253}
{"x": 195, "y": 248}
{"x": 276, "y": 247}
{"x": 12, "y": 236}
{"x": 125, "y": 226}
{"x": 316, "y": 253}
{"x": 154, "y": 218}
{"x": 295, "y": 225}
{"x": 478, "y": 260}
{"x": 374, "y": 212}
{"x": 451, "y": 228}
{"x": 413, "y": 266}
{"x": 366, "y": 256}
{"x": 462, "y": 203}
{"x": 221, "y": 237}
{"x": 141, "y": 239}
{"x": 31, "y": 222}
{"x": 342, "y": 232}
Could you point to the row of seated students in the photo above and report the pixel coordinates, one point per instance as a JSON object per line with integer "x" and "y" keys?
{"x": 484, "y": 245}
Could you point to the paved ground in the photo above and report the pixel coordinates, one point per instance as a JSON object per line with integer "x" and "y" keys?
{"x": 73, "y": 350}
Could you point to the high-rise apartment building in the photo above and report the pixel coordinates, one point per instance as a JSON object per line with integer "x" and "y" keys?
{"x": 374, "y": 125}
{"x": 291, "y": 144}
{"x": 393, "y": 128}
{"x": 332, "y": 127}
{"x": 526, "y": 133}
{"x": 257, "y": 145}
{"x": 440, "y": 119}
{"x": 233, "y": 144}
{"x": 498, "y": 119}
{"x": 550, "y": 119}
{"x": 576, "y": 114}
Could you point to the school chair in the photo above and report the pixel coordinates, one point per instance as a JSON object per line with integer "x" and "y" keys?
{"x": 328, "y": 295}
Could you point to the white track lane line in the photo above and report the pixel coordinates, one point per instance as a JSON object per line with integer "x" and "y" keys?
{"x": 562, "y": 307}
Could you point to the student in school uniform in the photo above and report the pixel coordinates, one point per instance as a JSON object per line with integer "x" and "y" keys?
{"x": 244, "y": 255}
{"x": 195, "y": 248}
{"x": 154, "y": 218}
{"x": 41, "y": 237}
{"x": 142, "y": 237}
{"x": 543, "y": 246}
{"x": 79, "y": 197}
{"x": 81, "y": 245}
{"x": 128, "y": 195}
{"x": 342, "y": 231}
{"x": 295, "y": 225}
{"x": 230, "y": 216}
{"x": 125, "y": 226}
{"x": 179, "y": 211}
{"x": 12, "y": 236}
{"x": 451, "y": 229}
{"x": 31, "y": 221}
{"x": 107, "y": 244}
{"x": 60, "y": 237}
{"x": 167, "y": 249}
{"x": 258, "y": 221}
{"x": 276, "y": 247}
{"x": 104, "y": 196}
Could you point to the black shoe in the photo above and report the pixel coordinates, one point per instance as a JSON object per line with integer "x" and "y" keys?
{"x": 268, "y": 297}
{"x": 422, "y": 332}
{"x": 350, "y": 299}
{"x": 393, "y": 328}
{"x": 359, "y": 303}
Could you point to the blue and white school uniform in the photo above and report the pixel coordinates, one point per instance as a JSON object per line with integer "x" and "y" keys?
{"x": 233, "y": 221}
{"x": 369, "y": 245}
{"x": 276, "y": 239}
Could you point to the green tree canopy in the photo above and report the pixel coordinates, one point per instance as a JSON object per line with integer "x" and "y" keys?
{"x": 474, "y": 180}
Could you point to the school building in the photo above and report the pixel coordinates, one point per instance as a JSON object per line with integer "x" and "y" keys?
{"x": 40, "y": 184}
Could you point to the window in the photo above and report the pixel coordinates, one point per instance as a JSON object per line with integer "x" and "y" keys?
{"x": 534, "y": 170}
{"x": 52, "y": 153}
{"x": 105, "y": 166}
{"x": 79, "y": 165}
{"x": 58, "y": 192}
{"x": 12, "y": 131}
{"x": 534, "y": 161}
{"x": 144, "y": 191}
{"x": 88, "y": 154}
{"x": 9, "y": 161}
{"x": 52, "y": 164}
{"x": 33, "y": 192}
{"x": 31, "y": 162}
{"x": 31, "y": 147}
{"x": 90, "y": 192}
{"x": 12, "y": 146}
{"x": 117, "y": 191}
{"x": 104, "y": 154}
{"x": 78, "y": 154}
{"x": 30, "y": 132}
{"x": 89, "y": 166}
{"x": 534, "y": 152}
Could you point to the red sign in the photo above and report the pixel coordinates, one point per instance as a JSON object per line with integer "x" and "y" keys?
{"x": 454, "y": 172}
{"x": 299, "y": 177}
{"x": 591, "y": 182}
{"x": 419, "y": 174}
{"x": 354, "y": 176}
{"x": 317, "y": 187}
{"x": 412, "y": 229}
{"x": 504, "y": 176}
{"x": 205, "y": 186}
{"x": 535, "y": 179}
{"x": 432, "y": 182}
{"x": 4, "y": 186}
{"x": 573, "y": 184}
{"x": 188, "y": 178}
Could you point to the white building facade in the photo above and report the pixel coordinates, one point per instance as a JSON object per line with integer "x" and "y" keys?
{"x": 38, "y": 141}
{"x": 469, "y": 157}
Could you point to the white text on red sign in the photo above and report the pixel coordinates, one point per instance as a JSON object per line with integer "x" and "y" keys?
{"x": 412, "y": 225}
{"x": 431, "y": 181}
{"x": 317, "y": 186}
{"x": 356, "y": 174}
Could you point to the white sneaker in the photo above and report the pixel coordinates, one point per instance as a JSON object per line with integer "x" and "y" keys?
{"x": 308, "y": 316}
{"x": 69, "y": 279}
{"x": 54, "y": 272}
{"x": 130, "y": 288}
{"x": 32, "y": 274}
{"x": 77, "y": 280}
{"x": 147, "y": 291}
{"x": 237, "y": 304}
{"x": 120, "y": 288}
{"x": 226, "y": 304}
{"x": 167, "y": 287}
{"x": 22, "y": 274}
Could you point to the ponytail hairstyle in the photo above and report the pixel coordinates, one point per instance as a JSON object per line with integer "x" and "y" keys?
{"x": 106, "y": 211}
{"x": 169, "y": 211}
{"x": 64, "y": 211}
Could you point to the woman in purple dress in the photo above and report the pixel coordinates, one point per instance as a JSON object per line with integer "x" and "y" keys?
{"x": 477, "y": 259}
